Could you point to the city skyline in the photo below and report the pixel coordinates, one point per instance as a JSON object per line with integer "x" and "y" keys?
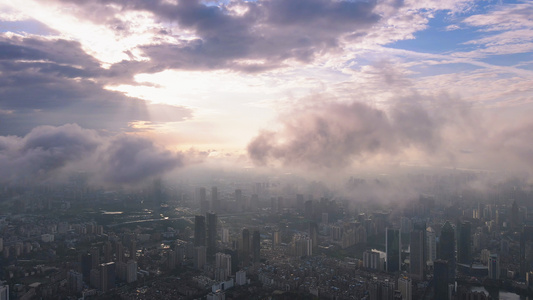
{"x": 132, "y": 90}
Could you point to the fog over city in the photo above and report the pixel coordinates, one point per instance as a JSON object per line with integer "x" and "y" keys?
{"x": 290, "y": 121}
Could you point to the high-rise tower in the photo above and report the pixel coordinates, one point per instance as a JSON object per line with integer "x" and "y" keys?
{"x": 464, "y": 248}
{"x": 199, "y": 231}
{"x": 393, "y": 249}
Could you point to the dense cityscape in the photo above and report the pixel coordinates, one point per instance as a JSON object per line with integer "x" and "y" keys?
{"x": 266, "y": 149}
{"x": 279, "y": 238}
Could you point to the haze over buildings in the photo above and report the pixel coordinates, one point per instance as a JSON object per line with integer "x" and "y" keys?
{"x": 342, "y": 149}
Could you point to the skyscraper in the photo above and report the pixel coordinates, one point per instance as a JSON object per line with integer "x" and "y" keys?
{"x": 133, "y": 249}
{"x": 199, "y": 231}
{"x": 494, "y": 266}
{"x": 431, "y": 245}
{"x": 447, "y": 242}
{"x": 464, "y": 248}
{"x": 393, "y": 249}
{"x": 211, "y": 235}
{"x": 418, "y": 257}
{"x": 119, "y": 251}
{"x": 526, "y": 251}
{"x": 441, "y": 279}
{"x": 85, "y": 262}
{"x": 95, "y": 257}
{"x": 201, "y": 197}
{"x": 447, "y": 247}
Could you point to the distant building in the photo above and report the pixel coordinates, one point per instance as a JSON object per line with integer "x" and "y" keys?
{"x": 131, "y": 271}
{"x": 447, "y": 247}
{"x": 417, "y": 259}
{"x": 223, "y": 266}
{"x": 372, "y": 260}
{"x": 201, "y": 197}
{"x": 405, "y": 286}
{"x": 526, "y": 251}
{"x": 393, "y": 249}
{"x": 4, "y": 291}
{"x": 240, "y": 277}
{"x": 200, "y": 257}
{"x": 494, "y": 267}
{"x": 199, "y": 231}
{"x": 119, "y": 252}
{"x": 95, "y": 257}
{"x": 301, "y": 246}
{"x": 256, "y": 246}
{"x": 225, "y": 235}
{"x": 464, "y": 243}
{"x": 107, "y": 276}
{"x": 431, "y": 245}
{"x": 276, "y": 239}
{"x": 75, "y": 281}
{"x": 441, "y": 279}
{"x": 325, "y": 218}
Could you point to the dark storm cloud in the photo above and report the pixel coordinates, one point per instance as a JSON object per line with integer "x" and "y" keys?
{"x": 332, "y": 135}
{"x": 270, "y": 31}
{"x": 53, "y": 82}
{"x": 46, "y": 152}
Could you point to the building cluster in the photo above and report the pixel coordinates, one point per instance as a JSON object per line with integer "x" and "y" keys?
{"x": 263, "y": 239}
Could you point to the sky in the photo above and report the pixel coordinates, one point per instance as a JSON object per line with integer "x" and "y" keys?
{"x": 132, "y": 89}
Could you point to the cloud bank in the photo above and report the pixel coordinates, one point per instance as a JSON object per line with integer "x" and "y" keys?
{"x": 47, "y": 152}
{"x": 333, "y": 135}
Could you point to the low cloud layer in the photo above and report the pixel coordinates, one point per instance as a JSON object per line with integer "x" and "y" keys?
{"x": 333, "y": 135}
{"x": 132, "y": 159}
{"x": 48, "y": 152}
{"x": 336, "y": 136}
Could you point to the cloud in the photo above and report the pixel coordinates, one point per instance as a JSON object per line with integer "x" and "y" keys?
{"x": 329, "y": 135}
{"x": 507, "y": 30}
{"x": 44, "y": 150}
{"x": 53, "y": 82}
{"x": 132, "y": 159}
{"x": 334, "y": 135}
{"x": 194, "y": 35}
{"x": 46, "y": 153}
